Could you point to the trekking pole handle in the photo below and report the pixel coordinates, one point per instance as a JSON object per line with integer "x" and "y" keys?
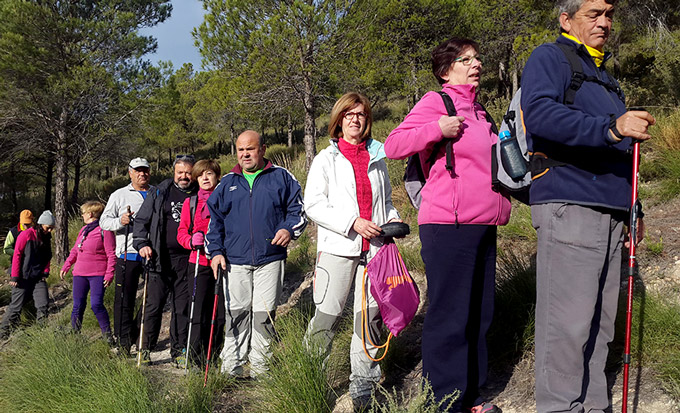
{"x": 220, "y": 274}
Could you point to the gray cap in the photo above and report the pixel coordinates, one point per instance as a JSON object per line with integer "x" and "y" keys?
{"x": 46, "y": 218}
{"x": 139, "y": 163}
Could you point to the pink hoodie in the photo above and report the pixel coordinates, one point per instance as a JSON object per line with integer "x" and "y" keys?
{"x": 464, "y": 197}
{"x": 95, "y": 256}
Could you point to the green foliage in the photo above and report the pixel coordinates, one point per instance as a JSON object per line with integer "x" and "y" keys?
{"x": 44, "y": 370}
{"x": 423, "y": 401}
{"x": 297, "y": 377}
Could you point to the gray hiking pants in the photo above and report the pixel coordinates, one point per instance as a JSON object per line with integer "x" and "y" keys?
{"x": 332, "y": 282}
{"x": 25, "y": 289}
{"x": 577, "y": 288}
{"x": 251, "y": 295}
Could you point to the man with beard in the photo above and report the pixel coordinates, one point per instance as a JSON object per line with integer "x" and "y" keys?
{"x": 155, "y": 237}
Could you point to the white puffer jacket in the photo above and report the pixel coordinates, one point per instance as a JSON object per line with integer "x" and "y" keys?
{"x": 331, "y": 199}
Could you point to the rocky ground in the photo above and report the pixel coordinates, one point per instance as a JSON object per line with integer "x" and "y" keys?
{"x": 509, "y": 386}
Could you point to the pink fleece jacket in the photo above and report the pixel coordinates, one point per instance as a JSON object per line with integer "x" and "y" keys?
{"x": 95, "y": 257}
{"x": 465, "y": 196}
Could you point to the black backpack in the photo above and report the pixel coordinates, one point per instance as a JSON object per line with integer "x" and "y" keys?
{"x": 414, "y": 176}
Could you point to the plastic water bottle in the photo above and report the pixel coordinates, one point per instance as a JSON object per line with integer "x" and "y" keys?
{"x": 511, "y": 156}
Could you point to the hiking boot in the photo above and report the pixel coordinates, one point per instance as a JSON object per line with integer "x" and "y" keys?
{"x": 486, "y": 408}
{"x": 108, "y": 337}
{"x": 180, "y": 360}
{"x": 146, "y": 358}
{"x": 361, "y": 404}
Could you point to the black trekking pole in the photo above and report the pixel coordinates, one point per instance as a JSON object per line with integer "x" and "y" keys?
{"x": 122, "y": 280}
{"x": 141, "y": 327}
{"x": 218, "y": 284}
{"x": 635, "y": 208}
{"x": 191, "y": 313}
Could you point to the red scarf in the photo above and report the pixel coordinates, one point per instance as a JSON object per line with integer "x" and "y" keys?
{"x": 359, "y": 157}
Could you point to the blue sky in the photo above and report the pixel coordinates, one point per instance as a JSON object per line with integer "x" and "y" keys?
{"x": 175, "y": 42}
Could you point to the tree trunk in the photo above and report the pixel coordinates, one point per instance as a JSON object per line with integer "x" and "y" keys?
{"x": 232, "y": 135}
{"x": 61, "y": 194}
{"x": 290, "y": 130}
{"x": 48, "y": 182}
{"x": 310, "y": 144}
{"x": 76, "y": 182}
{"x": 515, "y": 81}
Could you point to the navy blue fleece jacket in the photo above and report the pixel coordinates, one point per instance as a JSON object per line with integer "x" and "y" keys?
{"x": 598, "y": 170}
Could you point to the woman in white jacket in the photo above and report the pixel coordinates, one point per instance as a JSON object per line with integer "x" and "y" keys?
{"x": 348, "y": 194}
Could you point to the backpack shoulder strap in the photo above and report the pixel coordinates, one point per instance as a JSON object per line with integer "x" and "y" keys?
{"x": 489, "y": 118}
{"x": 577, "y": 75}
{"x": 193, "y": 202}
{"x": 451, "y": 111}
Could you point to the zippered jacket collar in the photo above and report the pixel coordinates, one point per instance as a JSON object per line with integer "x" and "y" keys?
{"x": 238, "y": 170}
{"x": 375, "y": 149}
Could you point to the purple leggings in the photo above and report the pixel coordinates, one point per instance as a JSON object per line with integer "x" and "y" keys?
{"x": 81, "y": 286}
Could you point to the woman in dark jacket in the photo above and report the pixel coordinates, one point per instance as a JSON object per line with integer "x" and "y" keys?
{"x": 30, "y": 269}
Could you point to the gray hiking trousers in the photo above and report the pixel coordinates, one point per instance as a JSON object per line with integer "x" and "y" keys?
{"x": 25, "y": 289}
{"x": 251, "y": 295}
{"x": 333, "y": 278}
{"x": 577, "y": 288}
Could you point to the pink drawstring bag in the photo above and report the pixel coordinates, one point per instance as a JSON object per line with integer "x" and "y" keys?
{"x": 393, "y": 288}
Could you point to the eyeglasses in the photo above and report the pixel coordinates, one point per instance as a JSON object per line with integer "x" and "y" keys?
{"x": 467, "y": 60}
{"x": 351, "y": 115}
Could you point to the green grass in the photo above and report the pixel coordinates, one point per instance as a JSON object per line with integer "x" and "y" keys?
{"x": 44, "y": 370}
{"x": 5, "y": 295}
{"x": 656, "y": 339}
{"x": 654, "y": 247}
{"x": 47, "y": 370}
{"x": 301, "y": 257}
{"x": 519, "y": 225}
{"x": 512, "y": 330}
{"x": 297, "y": 379}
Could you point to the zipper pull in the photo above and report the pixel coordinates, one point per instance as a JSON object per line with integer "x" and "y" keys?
{"x": 457, "y": 223}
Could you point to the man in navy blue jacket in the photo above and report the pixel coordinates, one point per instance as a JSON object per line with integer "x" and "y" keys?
{"x": 578, "y": 208}
{"x": 255, "y": 211}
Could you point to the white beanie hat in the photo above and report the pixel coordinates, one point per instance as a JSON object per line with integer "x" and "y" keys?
{"x": 46, "y": 218}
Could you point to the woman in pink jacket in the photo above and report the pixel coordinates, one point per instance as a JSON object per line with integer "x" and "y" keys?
{"x": 191, "y": 235}
{"x": 93, "y": 259}
{"x": 457, "y": 221}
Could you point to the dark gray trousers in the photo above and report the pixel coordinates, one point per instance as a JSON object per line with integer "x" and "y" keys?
{"x": 25, "y": 289}
{"x": 577, "y": 288}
